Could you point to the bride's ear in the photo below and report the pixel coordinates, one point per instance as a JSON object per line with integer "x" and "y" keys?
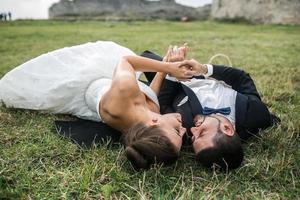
{"x": 154, "y": 121}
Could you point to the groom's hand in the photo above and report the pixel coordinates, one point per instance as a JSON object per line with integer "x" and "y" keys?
{"x": 180, "y": 71}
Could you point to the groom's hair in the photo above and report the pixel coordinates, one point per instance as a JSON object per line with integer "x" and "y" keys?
{"x": 226, "y": 152}
{"x": 147, "y": 145}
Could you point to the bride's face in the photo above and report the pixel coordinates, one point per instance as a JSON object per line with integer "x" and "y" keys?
{"x": 172, "y": 126}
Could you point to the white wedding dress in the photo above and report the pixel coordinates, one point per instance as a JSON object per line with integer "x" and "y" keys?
{"x": 71, "y": 80}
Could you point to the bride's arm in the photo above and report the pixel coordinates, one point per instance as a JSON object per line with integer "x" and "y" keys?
{"x": 139, "y": 63}
{"x": 124, "y": 80}
{"x": 156, "y": 83}
{"x": 124, "y": 85}
{"x": 124, "y": 89}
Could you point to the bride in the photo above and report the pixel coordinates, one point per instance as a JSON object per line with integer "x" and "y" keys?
{"x": 98, "y": 81}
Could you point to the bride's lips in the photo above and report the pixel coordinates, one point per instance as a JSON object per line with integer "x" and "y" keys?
{"x": 193, "y": 139}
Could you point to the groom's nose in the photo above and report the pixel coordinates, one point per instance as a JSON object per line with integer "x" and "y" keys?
{"x": 198, "y": 119}
{"x": 198, "y": 122}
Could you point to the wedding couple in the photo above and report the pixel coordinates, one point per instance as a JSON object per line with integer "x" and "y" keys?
{"x": 99, "y": 81}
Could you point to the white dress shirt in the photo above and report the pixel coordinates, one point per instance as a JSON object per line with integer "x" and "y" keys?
{"x": 212, "y": 93}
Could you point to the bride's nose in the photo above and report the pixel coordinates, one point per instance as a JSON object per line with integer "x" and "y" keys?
{"x": 183, "y": 130}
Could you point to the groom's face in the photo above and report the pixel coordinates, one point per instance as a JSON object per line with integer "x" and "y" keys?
{"x": 204, "y": 131}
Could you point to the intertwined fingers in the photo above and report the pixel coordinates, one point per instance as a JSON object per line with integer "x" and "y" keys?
{"x": 178, "y": 53}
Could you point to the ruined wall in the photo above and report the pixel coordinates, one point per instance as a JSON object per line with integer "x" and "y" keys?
{"x": 258, "y": 11}
{"x": 123, "y": 9}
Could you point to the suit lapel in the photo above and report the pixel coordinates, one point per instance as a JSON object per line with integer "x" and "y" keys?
{"x": 186, "y": 114}
{"x": 195, "y": 105}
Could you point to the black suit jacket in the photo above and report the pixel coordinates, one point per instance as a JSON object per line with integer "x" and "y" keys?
{"x": 251, "y": 113}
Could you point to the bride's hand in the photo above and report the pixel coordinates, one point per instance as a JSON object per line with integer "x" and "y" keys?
{"x": 180, "y": 70}
{"x": 175, "y": 54}
{"x": 166, "y": 58}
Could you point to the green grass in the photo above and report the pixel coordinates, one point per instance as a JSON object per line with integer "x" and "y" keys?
{"x": 37, "y": 164}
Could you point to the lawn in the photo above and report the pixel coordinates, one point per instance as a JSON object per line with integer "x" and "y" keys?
{"x": 35, "y": 163}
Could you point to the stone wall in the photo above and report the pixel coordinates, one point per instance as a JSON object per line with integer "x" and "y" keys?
{"x": 255, "y": 11}
{"x": 258, "y": 11}
{"x": 123, "y": 9}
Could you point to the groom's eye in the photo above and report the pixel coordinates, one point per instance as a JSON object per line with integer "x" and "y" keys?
{"x": 199, "y": 136}
{"x": 202, "y": 133}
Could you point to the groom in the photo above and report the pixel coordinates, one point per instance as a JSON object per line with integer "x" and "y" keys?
{"x": 217, "y": 115}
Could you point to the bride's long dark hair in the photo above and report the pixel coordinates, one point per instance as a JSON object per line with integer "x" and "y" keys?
{"x": 145, "y": 146}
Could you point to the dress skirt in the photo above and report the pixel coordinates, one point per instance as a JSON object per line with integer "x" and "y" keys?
{"x": 57, "y": 81}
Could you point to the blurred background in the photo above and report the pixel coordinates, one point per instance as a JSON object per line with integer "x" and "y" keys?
{"x": 254, "y": 11}
{"x": 38, "y": 9}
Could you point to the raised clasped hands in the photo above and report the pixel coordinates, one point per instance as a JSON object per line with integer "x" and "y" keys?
{"x": 183, "y": 69}
{"x": 175, "y": 54}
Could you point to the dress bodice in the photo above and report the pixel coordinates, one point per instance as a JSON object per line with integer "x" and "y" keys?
{"x": 99, "y": 87}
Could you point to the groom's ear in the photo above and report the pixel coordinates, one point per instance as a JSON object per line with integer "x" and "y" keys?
{"x": 227, "y": 129}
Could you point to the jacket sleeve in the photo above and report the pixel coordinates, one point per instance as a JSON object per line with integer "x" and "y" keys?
{"x": 169, "y": 89}
{"x": 257, "y": 115}
{"x": 238, "y": 79}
